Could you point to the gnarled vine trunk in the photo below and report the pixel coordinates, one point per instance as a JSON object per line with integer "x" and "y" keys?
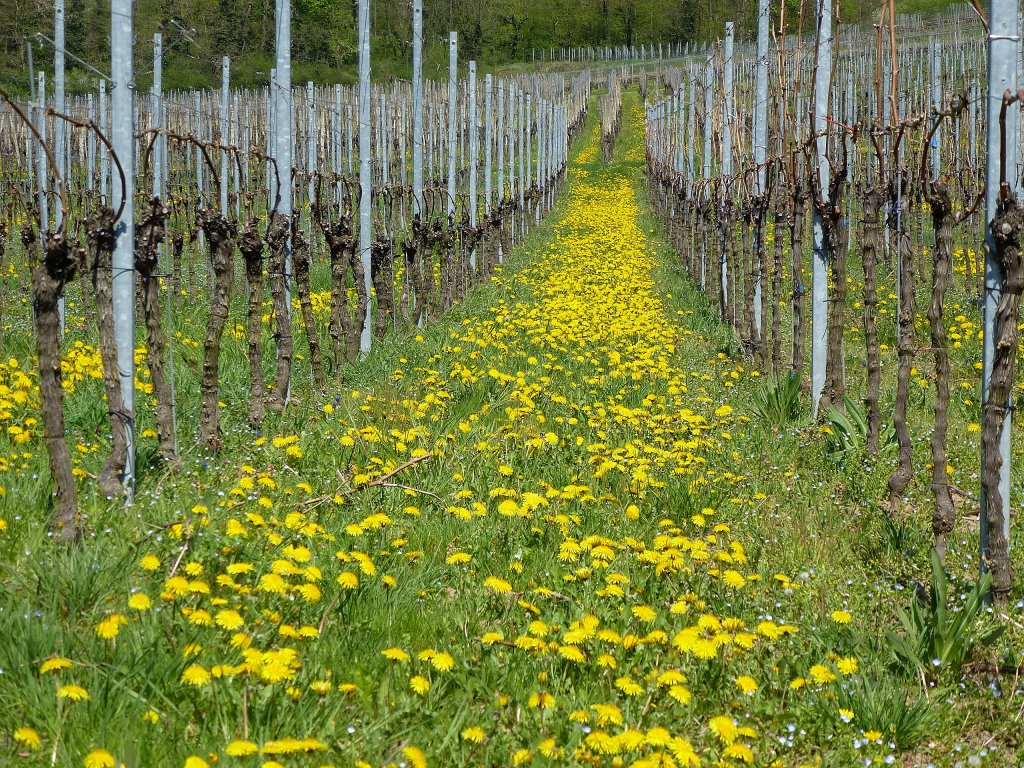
{"x": 900, "y": 477}
{"x": 1006, "y": 231}
{"x": 277, "y": 241}
{"x": 870, "y": 248}
{"x": 300, "y": 259}
{"x": 250, "y": 243}
{"x": 150, "y": 233}
{"x": 219, "y": 238}
{"x": 944, "y": 516}
{"x": 101, "y": 244}
{"x": 58, "y": 266}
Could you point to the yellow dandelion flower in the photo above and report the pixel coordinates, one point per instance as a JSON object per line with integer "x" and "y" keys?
{"x": 241, "y": 748}
{"x": 27, "y": 737}
{"x": 474, "y": 734}
{"x": 140, "y": 602}
{"x": 195, "y": 675}
{"x": 724, "y": 727}
{"x": 419, "y": 684}
{"x": 740, "y": 752}
{"x": 348, "y": 580}
{"x": 99, "y": 758}
{"x": 746, "y": 684}
{"x": 847, "y": 665}
{"x": 396, "y": 654}
{"x": 415, "y": 757}
{"x": 733, "y": 579}
{"x": 822, "y": 674}
{"x": 54, "y": 664}
{"x": 496, "y": 585}
{"x": 229, "y": 619}
{"x": 73, "y": 693}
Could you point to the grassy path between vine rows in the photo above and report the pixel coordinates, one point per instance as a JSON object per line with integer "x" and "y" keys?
{"x": 543, "y": 532}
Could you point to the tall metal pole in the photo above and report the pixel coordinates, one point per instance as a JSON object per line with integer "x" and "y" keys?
{"x": 156, "y": 104}
{"x": 417, "y": 107}
{"x": 59, "y": 132}
{"x": 692, "y": 143}
{"x": 488, "y": 138}
{"x": 473, "y": 150}
{"x": 936, "y": 148}
{"x": 1002, "y": 78}
{"x": 42, "y": 171}
{"x": 726, "y": 151}
{"x": 819, "y": 284}
{"x": 281, "y": 85}
{"x": 29, "y": 138}
{"x": 760, "y": 138}
{"x": 709, "y": 82}
{"x": 104, "y": 157}
{"x": 225, "y": 113}
{"x": 123, "y": 283}
{"x": 311, "y": 167}
{"x": 453, "y": 68}
{"x": 90, "y": 152}
{"x": 501, "y": 149}
{"x": 337, "y": 142}
{"x": 365, "y": 168}
{"x": 156, "y": 107}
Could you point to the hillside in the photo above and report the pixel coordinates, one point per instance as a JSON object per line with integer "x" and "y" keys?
{"x": 198, "y": 32}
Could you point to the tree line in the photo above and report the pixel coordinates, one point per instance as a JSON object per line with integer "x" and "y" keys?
{"x": 199, "y": 32}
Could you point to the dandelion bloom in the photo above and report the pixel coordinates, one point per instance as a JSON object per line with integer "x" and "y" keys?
{"x": 419, "y": 684}
{"x": 100, "y": 758}
{"x": 241, "y": 748}
{"x": 73, "y": 692}
{"x": 54, "y": 664}
{"x": 195, "y": 675}
{"x": 747, "y": 684}
{"x": 140, "y": 602}
{"x": 27, "y": 737}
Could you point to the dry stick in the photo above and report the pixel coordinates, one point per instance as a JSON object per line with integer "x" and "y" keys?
{"x": 381, "y": 481}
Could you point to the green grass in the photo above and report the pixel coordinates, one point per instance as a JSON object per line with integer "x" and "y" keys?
{"x": 529, "y": 354}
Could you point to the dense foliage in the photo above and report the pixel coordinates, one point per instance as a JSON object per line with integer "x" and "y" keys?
{"x": 198, "y": 32}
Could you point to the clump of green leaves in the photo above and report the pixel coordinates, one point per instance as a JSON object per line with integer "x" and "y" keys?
{"x": 777, "y": 403}
{"x": 884, "y": 705}
{"x": 848, "y": 428}
{"x": 937, "y": 639}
